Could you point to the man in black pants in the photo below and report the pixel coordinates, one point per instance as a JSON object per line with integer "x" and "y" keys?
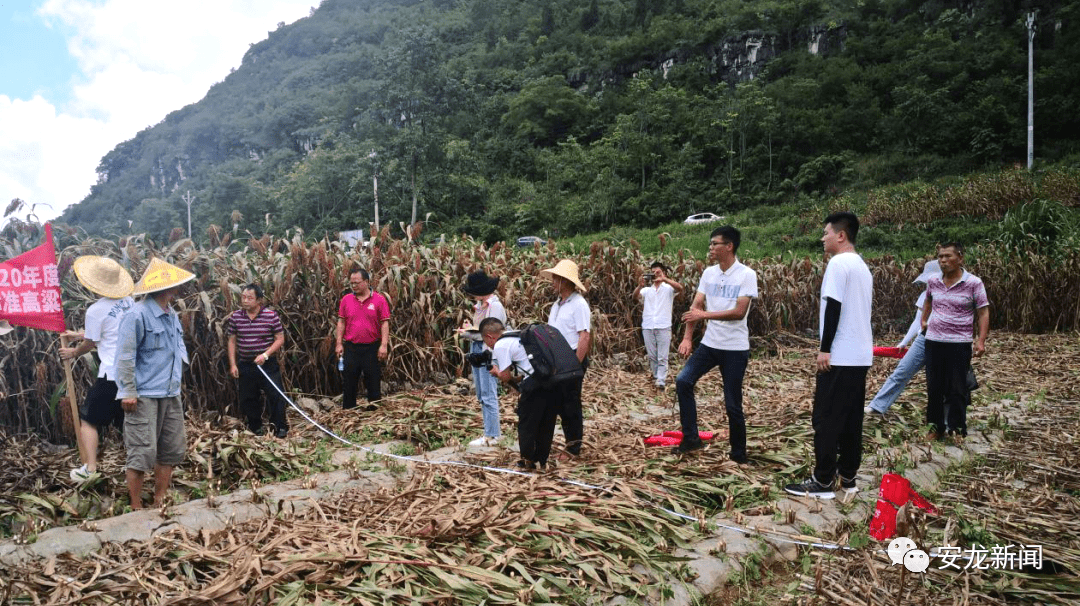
{"x": 255, "y": 335}
{"x": 846, "y": 352}
{"x": 363, "y": 338}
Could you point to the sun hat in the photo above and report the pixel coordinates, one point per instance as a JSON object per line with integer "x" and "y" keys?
{"x": 161, "y": 275}
{"x": 5, "y": 328}
{"x": 565, "y": 269}
{"x": 479, "y": 284}
{"x": 931, "y": 269}
{"x": 103, "y": 276}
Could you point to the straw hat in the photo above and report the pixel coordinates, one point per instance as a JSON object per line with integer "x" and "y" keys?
{"x": 5, "y": 328}
{"x": 103, "y": 276}
{"x": 931, "y": 269}
{"x": 565, "y": 269}
{"x": 479, "y": 284}
{"x": 161, "y": 275}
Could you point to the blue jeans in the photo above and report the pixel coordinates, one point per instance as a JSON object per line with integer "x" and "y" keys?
{"x": 912, "y": 362}
{"x": 487, "y": 391}
{"x": 732, "y": 368}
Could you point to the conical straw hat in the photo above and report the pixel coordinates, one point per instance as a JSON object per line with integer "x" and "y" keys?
{"x": 565, "y": 269}
{"x": 161, "y": 275}
{"x": 103, "y": 276}
{"x": 5, "y": 328}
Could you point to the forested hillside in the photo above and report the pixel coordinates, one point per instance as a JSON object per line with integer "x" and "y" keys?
{"x": 505, "y": 117}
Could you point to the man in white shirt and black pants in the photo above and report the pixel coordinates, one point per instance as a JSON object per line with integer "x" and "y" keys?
{"x": 847, "y": 350}
{"x": 723, "y": 302}
{"x": 537, "y": 407}
{"x": 572, "y": 316}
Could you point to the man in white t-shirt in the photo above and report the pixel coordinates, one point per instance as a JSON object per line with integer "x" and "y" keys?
{"x": 845, "y": 355}
{"x": 658, "y": 297}
{"x": 723, "y": 301}
{"x": 107, "y": 279}
{"x": 537, "y": 407}
{"x": 572, "y": 316}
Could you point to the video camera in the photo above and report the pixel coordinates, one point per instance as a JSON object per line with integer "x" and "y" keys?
{"x": 479, "y": 358}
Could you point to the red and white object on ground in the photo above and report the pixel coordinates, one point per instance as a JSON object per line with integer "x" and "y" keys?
{"x": 674, "y": 438}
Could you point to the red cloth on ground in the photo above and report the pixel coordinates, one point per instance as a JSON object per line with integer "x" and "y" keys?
{"x": 894, "y": 492}
{"x": 673, "y": 438}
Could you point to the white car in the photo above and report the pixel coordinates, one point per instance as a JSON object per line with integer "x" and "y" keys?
{"x": 702, "y": 218}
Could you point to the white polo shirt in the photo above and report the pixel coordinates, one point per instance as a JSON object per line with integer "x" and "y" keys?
{"x": 103, "y": 328}
{"x": 658, "y": 301}
{"x": 722, "y": 290}
{"x": 848, "y": 280}
{"x": 571, "y": 317}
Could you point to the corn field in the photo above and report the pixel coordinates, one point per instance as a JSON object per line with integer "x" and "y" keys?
{"x": 304, "y": 281}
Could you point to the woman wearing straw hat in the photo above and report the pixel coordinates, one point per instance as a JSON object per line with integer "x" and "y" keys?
{"x": 572, "y": 316}
{"x": 150, "y": 362}
{"x": 481, "y": 287}
{"x": 107, "y": 279}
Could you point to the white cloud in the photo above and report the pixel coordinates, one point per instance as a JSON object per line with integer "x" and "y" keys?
{"x": 138, "y": 60}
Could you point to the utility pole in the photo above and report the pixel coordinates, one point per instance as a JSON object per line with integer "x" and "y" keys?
{"x": 1031, "y": 90}
{"x": 187, "y": 197}
{"x": 375, "y": 181}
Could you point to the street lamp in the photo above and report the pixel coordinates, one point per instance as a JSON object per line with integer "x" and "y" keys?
{"x": 375, "y": 182}
{"x": 187, "y": 197}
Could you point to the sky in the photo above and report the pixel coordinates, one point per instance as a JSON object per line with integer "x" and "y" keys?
{"x": 78, "y": 77}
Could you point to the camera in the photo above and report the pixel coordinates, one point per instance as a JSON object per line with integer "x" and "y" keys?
{"x": 479, "y": 358}
{"x": 648, "y": 277}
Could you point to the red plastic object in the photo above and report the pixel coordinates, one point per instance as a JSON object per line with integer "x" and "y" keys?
{"x": 674, "y": 438}
{"x": 889, "y": 352}
{"x": 894, "y": 492}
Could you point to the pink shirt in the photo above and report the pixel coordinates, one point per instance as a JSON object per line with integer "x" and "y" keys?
{"x": 953, "y": 308}
{"x": 363, "y": 320}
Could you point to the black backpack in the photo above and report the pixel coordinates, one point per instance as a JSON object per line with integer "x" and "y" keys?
{"x": 552, "y": 359}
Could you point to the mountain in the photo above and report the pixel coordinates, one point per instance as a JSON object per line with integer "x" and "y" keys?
{"x": 505, "y": 117}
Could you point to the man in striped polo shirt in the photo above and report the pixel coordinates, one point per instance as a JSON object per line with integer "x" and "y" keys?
{"x": 255, "y": 335}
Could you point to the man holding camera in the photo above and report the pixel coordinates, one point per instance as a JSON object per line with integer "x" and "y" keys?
{"x": 538, "y": 406}
{"x": 658, "y": 293}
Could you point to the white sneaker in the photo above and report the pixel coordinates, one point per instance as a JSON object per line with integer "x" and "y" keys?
{"x": 483, "y": 441}
{"x": 81, "y": 474}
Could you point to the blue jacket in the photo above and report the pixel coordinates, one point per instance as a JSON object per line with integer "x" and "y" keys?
{"x": 150, "y": 352}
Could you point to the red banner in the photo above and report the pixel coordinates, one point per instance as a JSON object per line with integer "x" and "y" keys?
{"x": 30, "y": 288}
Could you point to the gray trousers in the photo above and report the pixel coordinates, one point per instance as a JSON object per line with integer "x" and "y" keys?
{"x": 657, "y": 347}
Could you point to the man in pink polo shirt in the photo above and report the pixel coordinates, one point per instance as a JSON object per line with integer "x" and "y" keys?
{"x": 363, "y": 338}
{"x": 959, "y": 305}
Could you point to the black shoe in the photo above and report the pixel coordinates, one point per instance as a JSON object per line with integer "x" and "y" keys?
{"x": 281, "y": 432}
{"x": 259, "y": 431}
{"x": 811, "y": 488}
{"x": 688, "y": 445}
{"x": 371, "y": 407}
{"x": 848, "y": 485}
{"x": 743, "y": 460}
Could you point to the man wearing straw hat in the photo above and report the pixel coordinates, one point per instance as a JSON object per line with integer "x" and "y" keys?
{"x": 572, "y": 316}
{"x": 107, "y": 279}
{"x": 149, "y": 365}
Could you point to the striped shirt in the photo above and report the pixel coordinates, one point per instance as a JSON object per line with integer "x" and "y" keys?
{"x": 253, "y": 337}
{"x": 953, "y": 308}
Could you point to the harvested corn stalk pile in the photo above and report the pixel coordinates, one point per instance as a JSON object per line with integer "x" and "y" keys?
{"x": 452, "y": 535}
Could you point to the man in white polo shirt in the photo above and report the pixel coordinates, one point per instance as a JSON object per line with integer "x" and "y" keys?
{"x": 658, "y": 297}
{"x": 845, "y": 354}
{"x": 572, "y": 316}
{"x": 723, "y": 301}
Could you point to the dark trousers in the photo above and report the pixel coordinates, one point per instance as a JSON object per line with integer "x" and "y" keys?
{"x": 946, "y": 386}
{"x": 537, "y": 410}
{"x": 361, "y": 359}
{"x": 732, "y": 368}
{"x": 252, "y": 385}
{"x": 573, "y": 419}
{"x": 839, "y": 396}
